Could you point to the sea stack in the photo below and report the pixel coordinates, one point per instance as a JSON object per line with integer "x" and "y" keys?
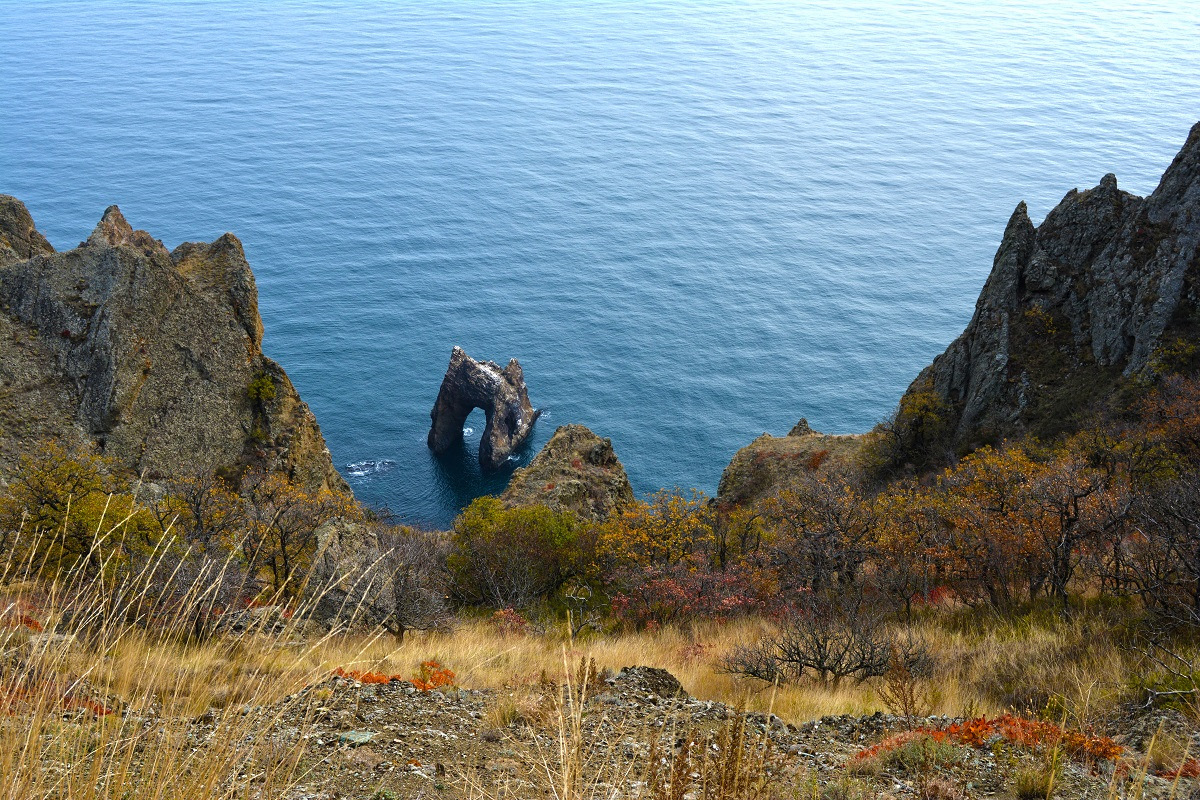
{"x": 501, "y": 393}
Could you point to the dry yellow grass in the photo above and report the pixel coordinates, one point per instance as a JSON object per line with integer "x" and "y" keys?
{"x": 156, "y": 680}
{"x": 157, "y": 675}
{"x": 1025, "y": 664}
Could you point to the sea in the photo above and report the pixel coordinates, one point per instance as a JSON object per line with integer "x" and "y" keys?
{"x": 691, "y": 222}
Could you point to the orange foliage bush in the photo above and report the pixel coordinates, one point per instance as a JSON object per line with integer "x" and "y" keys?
{"x": 19, "y": 621}
{"x": 366, "y": 677}
{"x": 431, "y": 675}
{"x": 1015, "y": 730}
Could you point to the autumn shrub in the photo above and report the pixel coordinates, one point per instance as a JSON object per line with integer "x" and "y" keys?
{"x": 511, "y": 557}
{"x": 430, "y": 675}
{"x": 915, "y": 437}
{"x": 824, "y": 527}
{"x": 691, "y": 589}
{"x": 201, "y": 508}
{"x": 675, "y": 557}
{"x": 67, "y": 509}
{"x": 509, "y": 622}
{"x": 668, "y": 528}
{"x": 902, "y": 690}
{"x": 383, "y": 576}
{"x": 983, "y": 732}
{"x": 366, "y": 676}
{"x": 1163, "y": 564}
{"x": 281, "y": 521}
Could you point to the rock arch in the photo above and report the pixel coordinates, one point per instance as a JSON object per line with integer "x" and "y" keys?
{"x": 500, "y": 393}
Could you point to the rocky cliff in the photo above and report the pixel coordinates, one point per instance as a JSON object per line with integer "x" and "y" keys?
{"x": 152, "y": 357}
{"x": 771, "y": 462}
{"x": 1104, "y": 291}
{"x": 576, "y": 471}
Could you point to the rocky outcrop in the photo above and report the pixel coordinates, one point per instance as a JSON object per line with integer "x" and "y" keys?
{"x": 576, "y": 471}
{"x": 771, "y": 462}
{"x": 500, "y": 393}
{"x": 1107, "y": 288}
{"x": 154, "y": 358}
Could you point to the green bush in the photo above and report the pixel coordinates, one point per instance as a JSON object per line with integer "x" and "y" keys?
{"x": 923, "y": 754}
{"x": 262, "y": 389}
{"x": 511, "y": 557}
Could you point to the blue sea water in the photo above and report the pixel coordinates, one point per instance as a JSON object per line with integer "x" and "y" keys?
{"x": 691, "y": 222}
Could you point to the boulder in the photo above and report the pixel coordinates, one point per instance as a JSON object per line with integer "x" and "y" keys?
{"x": 500, "y": 393}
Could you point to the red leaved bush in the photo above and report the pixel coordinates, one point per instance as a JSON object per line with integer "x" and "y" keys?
{"x": 510, "y": 622}
{"x": 431, "y": 675}
{"x": 1188, "y": 769}
{"x": 691, "y": 590}
{"x": 17, "y": 615}
{"x": 1016, "y": 730}
{"x": 21, "y": 620}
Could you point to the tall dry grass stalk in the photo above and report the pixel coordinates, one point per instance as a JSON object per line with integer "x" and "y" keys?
{"x": 102, "y": 677}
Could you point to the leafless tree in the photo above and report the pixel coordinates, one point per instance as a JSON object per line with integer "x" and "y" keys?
{"x": 830, "y": 637}
{"x": 391, "y": 577}
{"x": 1164, "y": 550}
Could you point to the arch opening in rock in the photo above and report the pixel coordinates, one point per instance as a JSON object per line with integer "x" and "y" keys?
{"x": 502, "y": 396}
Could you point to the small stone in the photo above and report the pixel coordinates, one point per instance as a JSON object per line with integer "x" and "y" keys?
{"x": 355, "y": 738}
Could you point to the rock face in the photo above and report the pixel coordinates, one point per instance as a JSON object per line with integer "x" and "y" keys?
{"x": 576, "y": 471}
{"x": 501, "y": 393}
{"x": 771, "y": 462}
{"x": 1106, "y": 288}
{"x": 152, "y": 357}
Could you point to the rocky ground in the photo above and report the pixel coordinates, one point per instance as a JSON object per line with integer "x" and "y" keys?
{"x": 393, "y": 740}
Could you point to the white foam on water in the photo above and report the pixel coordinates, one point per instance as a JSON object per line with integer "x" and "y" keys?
{"x": 362, "y": 469}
